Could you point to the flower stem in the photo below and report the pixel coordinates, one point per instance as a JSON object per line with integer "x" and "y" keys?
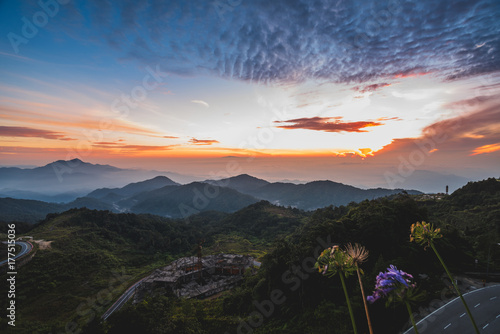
{"x": 364, "y": 301}
{"x": 341, "y": 274}
{"x": 456, "y": 287}
{"x": 408, "y": 307}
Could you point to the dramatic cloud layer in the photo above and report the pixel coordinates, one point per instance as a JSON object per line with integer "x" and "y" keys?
{"x": 282, "y": 40}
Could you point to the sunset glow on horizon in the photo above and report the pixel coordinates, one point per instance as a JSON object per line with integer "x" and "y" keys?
{"x": 335, "y": 89}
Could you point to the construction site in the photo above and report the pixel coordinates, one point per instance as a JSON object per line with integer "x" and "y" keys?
{"x": 196, "y": 276}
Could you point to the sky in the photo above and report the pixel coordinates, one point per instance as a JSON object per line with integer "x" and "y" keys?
{"x": 369, "y": 93}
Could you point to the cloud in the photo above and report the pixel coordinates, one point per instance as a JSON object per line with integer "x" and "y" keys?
{"x": 203, "y": 103}
{"x": 15, "y": 131}
{"x": 327, "y": 124}
{"x": 395, "y": 118}
{"x": 486, "y": 149}
{"x": 365, "y": 151}
{"x": 409, "y": 74}
{"x": 52, "y": 110}
{"x": 479, "y": 126}
{"x": 195, "y": 141}
{"x": 371, "y": 88}
{"x": 131, "y": 148}
{"x": 31, "y": 151}
{"x": 281, "y": 40}
{"x": 171, "y": 137}
{"x": 28, "y": 114}
{"x": 471, "y": 133}
{"x": 470, "y": 102}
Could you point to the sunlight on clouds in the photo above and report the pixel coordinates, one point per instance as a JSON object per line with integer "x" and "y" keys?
{"x": 401, "y": 119}
{"x": 378, "y": 114}
{"x": 486, "y": 149}
{"x": 472, "y": 136}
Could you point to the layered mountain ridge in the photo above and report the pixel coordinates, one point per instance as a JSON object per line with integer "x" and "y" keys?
{"x": 162, "y": 196}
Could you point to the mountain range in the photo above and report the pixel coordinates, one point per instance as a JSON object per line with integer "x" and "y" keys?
{"x": 64, "y": 181}
{"x": 162, "y": 196}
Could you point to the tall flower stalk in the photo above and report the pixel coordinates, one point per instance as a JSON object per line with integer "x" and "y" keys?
{"x": 333, "y": 260}
{"x": 424, "y": 234}
{"x": 358, "y": 255}
{"x": 397, "y": 287}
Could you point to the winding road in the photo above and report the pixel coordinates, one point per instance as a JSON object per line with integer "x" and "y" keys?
{"x": 122, "y": 300}
{"x": 26, "y": 247}
{"x": 484, "y": 305}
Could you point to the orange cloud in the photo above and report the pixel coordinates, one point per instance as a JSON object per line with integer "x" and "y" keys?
{"x": 327, "y": 124}
{"x": 360, "y": 153}
{"x": 366, "y": 151}
{"x": 17, "y": 131}
{"x": 19, "y": 115}
{"x": 64, "y": 110}
{"x": 457, "y": 139}
{"x": 486, "y": 149}
{"x": 131, "y": 148}
{"x": 29, "y": 150}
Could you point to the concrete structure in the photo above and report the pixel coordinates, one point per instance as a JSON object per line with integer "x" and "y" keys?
{"x": 188, "y": 277}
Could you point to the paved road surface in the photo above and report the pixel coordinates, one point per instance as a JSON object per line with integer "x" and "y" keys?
{"x": 122, "y": 300}
{"x": 451, "y": 318}
{"x": 26, "y": 247}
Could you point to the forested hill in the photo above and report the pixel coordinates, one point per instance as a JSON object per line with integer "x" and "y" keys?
{"x": 89, "y": 249}
{"x": 472, "y": 211}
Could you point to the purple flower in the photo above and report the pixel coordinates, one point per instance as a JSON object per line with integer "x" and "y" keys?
{"x": 391, "y": 280}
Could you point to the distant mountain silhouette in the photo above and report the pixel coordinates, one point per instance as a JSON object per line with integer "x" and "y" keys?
{"x": 112, "y": 194}
{"x": 244, "y": 183}
{"x": 183, "y": 201}
{"x": 433, "y": 182}
{"x": 64, "y": 181}
{"x": 309, "y": 196}
{"x": 164, "y": 197}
